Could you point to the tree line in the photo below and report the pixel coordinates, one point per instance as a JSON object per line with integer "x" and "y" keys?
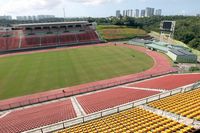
{"x": 187, "y": 27}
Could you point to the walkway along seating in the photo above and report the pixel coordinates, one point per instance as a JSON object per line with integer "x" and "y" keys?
{"x": 131, "y": 121}
{"x": 185, "y": 104}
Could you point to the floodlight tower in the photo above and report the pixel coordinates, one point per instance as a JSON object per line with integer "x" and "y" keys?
{"x": 167, "y": 29}
{"x": 64, "y": 14}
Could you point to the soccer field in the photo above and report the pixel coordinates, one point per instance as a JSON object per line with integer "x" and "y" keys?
{"x": 28, "y": 74}
{"x": 113, "y": 32}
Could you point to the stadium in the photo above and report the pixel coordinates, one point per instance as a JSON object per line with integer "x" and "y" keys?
{"x": 61, "y": 77}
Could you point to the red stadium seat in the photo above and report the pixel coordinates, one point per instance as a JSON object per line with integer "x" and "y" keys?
{"x": 49, "y": 40}
{"x": 30, "y": 41}
{"x": 34, "y": 117}
{"x": 67, "y": 38}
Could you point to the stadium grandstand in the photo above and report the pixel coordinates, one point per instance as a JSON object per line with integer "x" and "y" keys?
{"x": 128, "y": 108}
{"x": 41, "y": 35}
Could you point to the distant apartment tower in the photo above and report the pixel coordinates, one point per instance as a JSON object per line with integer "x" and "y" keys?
{"x": 149, "y": 12}
{"x": 39, "y": 17}
{"x": 131, "y": 13}
{"x": 127, "y": 13}
{"x": 158, "y": 12}
{"x": 198, "y": 15}
{"x": 5, "y": 18}
{"x": 136, "y": 13}
{"x": 118, "y": 13}
{"x": 142, "y": 13}
{"x": 24, "y": 18}
{"x": 124, "y": 13}
{"x": 21, "y": 18}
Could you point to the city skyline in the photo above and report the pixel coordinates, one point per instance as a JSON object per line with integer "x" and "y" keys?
{"x": 94, "y": 8}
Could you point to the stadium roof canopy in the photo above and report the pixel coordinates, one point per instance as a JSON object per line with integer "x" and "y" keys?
{"x": 50, "y": 24}
{"x": 181, "y": 52}
{"x": 157, "y": 47}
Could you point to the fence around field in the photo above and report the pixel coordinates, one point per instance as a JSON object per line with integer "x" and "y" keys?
{"x": 79, "y": 120}
{"x": 72, "y": 92}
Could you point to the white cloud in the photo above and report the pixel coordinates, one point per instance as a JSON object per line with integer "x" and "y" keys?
{"x": 97, "y": 2}
{"x": 28, "y": 6}
{"x": 21, "y": 6}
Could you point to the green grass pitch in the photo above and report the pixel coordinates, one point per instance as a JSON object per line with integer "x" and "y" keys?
{"x": 28, "y": 74}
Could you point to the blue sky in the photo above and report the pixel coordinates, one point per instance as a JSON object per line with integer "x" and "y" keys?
{"x": 95, "y": 8}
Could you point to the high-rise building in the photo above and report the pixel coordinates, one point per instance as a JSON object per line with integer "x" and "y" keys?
{"x": 158, "y": 12}
{"x": 118, "y": 13}
{"x": 21, "y": 18}
{"x": 142, "y": 13}
{"x": 127, "y": 12}
{"x": 136, "y": 13}
{"x": 39, "y": 17}
{"x": 149, "y": 12}
{"x": 5, "y": 18}
{"x": 198, "y": 15}
{"x": 124, "y": 13}
{"x": 131, "y": 13}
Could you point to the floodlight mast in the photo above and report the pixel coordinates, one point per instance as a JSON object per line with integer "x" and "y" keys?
{"x": 167, "y": 29}
{"x": 64, "y": 14}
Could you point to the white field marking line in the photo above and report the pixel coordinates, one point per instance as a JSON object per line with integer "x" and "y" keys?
{"x": 148, "y": 89}
{"x": 78, "y": 108}
{"x": 5, "y": 114}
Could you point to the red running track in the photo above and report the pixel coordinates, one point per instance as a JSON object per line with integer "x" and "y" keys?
{"x": 162, "y": 66}
{"x": 107, "y": 99}
{"x": 27, "y": 119}
{"x": 169, "y": 82}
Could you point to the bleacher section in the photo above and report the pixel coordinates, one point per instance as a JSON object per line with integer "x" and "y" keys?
{"x": 169, "y": 82}
{"x": 34, "y": 41}
{"x": 67, "y": 38}
{"x": 185, "y": 104}
{"x": 131, "y": 121}
{"x": 111, "y": 98}
{"x": 3, "y": 45}
{"x": 49, "y": 40}
{"x": 10, "y": 38}
{"x": 26, "y": 36}
{"x": 30, "y": 118}
{"x": 84, "y": 37}
{"x": 30, "y": 41}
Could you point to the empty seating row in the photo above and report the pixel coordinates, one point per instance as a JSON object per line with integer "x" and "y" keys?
{"x": 185, "y": 104}
{"x": 67, "y": 38}
{"x": 131, "y": 121}
{"x": 88, "y": 36}
{"x": 169, "y": 82}
{"x": 9, "y": 40}
{"x": 110, "y": 98}
{"x": 9, "y": 43}
{"x": 15, "y": 42}
{"x": 35, "y": 117}
{"x": 28, "y": 42}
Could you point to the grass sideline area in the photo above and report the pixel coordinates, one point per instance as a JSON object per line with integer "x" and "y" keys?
{"x": 115, "y": 33}
{"x": 38, "y": 72}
